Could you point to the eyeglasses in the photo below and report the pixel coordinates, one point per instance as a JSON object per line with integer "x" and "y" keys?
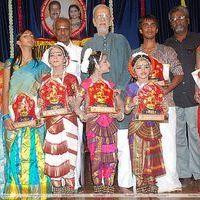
{"x": 174, "y": 19}
{"x": 102, "y": 16}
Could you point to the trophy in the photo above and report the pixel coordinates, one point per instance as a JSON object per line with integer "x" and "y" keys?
{"x": 101, "y": 98}
{"x": 160, "y": 72}
{"x": 24, "y": 111}
{"x": 151, "y": 103}
{"x": 54, "y": 99}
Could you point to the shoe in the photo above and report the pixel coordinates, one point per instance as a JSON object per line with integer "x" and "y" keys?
{"x": 197, "y": 184}
{"x": 186, "y": 182}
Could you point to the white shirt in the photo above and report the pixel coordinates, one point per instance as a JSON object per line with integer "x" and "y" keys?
{"x": 74, "y": 52}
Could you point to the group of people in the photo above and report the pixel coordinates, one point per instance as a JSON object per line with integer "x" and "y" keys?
{"x": 45, "y": 153}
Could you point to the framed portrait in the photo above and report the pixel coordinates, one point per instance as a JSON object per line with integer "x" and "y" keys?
{"x": 152, "y": 104}
{"x": 74, "y": 10}
{"x": 100, "y": 98}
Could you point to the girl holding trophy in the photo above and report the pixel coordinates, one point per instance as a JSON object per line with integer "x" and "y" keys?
{"x": 56, "y": 94}
{"x": 102, "y": 106}
{"x": 145, "y": 99}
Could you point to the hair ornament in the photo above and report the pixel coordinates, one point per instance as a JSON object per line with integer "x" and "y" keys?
{"x": 132, "y": 63}
{"x": 85, "y": 62}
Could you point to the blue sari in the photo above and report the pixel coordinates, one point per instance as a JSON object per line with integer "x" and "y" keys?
{"x": 25, "y": 164}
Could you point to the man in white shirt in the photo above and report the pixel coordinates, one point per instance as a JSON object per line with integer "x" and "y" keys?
{"x": 62, "y": 30}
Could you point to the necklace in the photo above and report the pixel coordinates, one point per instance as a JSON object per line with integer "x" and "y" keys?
{"x": 25, "y": 61}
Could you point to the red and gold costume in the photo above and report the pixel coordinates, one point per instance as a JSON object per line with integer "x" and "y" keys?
{"x": 60, "y": 145}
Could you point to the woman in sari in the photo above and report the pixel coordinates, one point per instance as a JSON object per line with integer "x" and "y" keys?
{"x": 2, "y": 141}
{"x": 24, "y": 137}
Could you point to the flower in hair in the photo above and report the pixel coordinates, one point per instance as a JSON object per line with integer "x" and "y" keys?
{"x": 85, "y": 62}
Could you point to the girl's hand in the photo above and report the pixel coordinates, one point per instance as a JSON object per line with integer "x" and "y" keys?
{"x": 119, "y": 116}
{"x": 40, "y": 122}
{"x": 84, "y": 117}
{"x": 9, "y": 125}
{"x": 71, "y": 103}
{"x": 40, "y": 102}
{"x": 117, "y": 92}
{"x": 133, "y": 103}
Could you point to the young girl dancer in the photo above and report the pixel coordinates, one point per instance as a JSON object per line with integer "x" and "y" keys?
{"x": 60, "y": 146}
{"x": 101, "y": 128}
{"x": 144, "y": 136}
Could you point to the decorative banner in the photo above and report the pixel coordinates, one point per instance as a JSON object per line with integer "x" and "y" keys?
{"x": 75, "y": 10}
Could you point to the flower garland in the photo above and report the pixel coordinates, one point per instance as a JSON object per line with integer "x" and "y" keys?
{"x": 111, "y": 13}
{"x": 11, "y": 31}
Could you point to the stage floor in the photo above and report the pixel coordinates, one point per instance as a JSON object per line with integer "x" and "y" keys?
{"x": 190, "y": 193}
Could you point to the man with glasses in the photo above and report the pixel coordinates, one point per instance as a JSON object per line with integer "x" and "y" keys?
{"x": 118, "y": 50}
{"x": 148, "y": 28}
{"x": 185, "y": 44}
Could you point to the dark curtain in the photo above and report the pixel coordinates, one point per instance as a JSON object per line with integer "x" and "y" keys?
{"x": 31, "y": 16}
{"x": 90, "y": 29}
{"x": 160, "y": 9}
{"x": 126, "y": 14}
{"x": 194, "y": 9}
{"x": 4, "y": 32}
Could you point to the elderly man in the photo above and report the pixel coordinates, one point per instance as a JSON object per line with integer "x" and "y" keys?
{"x": 62, "y": 32}
{"x": 148, "y": 27}
{"x": 118, "y": 50}
{"x": 185, "y": 44}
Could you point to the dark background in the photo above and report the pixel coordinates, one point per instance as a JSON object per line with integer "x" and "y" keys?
{"x": 126, "y": 15}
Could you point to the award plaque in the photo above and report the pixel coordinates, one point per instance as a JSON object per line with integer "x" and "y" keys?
{"x": 24, "y": 111}
{"x": 160, "y": 72}
{"x": 101, "y": 98}
{"x": 54, "y": 99}
{"x": 196, "y": 77}
{"x": 151, "y": 103}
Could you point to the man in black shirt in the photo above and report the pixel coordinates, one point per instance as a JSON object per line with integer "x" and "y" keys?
{"x": 185, "y": 44}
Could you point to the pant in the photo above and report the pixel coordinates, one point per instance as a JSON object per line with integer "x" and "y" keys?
{"x": 79, "y": 170}
{"x": 169, "y": 181}
{"x": 125, "y": 177}
{"x": 188, "y": 143}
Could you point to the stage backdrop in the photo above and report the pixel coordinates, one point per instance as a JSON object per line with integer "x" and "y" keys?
{"x": 27, "y": 15}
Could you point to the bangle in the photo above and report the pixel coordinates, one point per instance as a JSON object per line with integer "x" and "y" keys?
{"x": 5, "y": 117}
